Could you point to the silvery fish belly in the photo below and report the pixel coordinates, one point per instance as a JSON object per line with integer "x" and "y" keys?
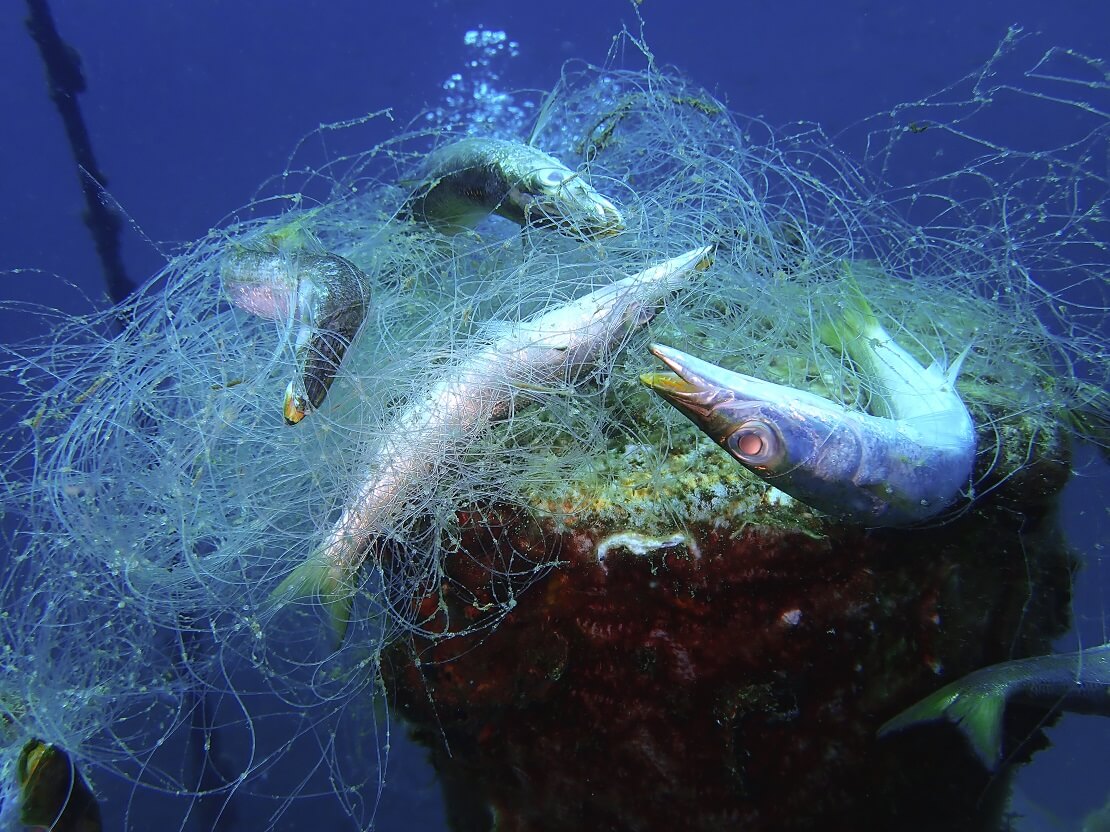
{"x": 867, "y": 469}
{"x": 555, "y": 346}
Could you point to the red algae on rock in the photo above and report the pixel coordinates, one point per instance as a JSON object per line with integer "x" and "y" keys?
{"x": 728, "y": 673}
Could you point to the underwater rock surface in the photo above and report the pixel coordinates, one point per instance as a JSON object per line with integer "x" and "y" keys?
{"x": 730, "y": 674}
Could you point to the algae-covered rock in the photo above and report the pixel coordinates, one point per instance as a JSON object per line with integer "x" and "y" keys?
{"x": 706, "y": 653}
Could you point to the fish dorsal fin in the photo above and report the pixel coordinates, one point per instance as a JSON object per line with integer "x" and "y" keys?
{"x": 956, "y": 366}
{"x": 946, "y": 375}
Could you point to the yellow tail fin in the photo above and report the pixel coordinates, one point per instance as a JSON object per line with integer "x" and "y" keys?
{"x": 316, "y": 578}
{"x": 856, "y": 321}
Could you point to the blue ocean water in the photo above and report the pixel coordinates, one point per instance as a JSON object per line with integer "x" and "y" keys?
{"x": 192, "y": 104}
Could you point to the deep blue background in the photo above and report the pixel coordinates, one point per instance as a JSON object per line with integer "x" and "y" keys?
{"x": 192, "y": 104}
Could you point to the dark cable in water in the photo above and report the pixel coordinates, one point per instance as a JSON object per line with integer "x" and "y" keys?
{"x": 66, "y": 81}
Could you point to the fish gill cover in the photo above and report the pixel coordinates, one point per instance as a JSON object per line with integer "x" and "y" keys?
{"x": 155, "y": 498}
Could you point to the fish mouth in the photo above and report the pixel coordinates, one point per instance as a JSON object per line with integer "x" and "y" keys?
{"x": 689, "y": 375}
{"x": 670, "y": 386}
{"x": 611, "y": 222}
{"x": 586, "y": 216}
{"x": 693, "y": 401}
{"x": 683, "y": 388}
{"x": 704, "y": 393}
{"x": 294, "y": 408}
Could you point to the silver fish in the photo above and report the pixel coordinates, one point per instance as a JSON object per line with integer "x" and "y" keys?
{"x": 557, "y": 346}
{"x": 328, "y": 296}
{"x": 470, "y": 179}
{"x": 890, "y": 470}
{"x": 1078, "y": 682}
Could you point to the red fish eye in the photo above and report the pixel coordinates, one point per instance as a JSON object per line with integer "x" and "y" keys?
{"x": 754, "y": 442}
{"x": 750, "y": 444}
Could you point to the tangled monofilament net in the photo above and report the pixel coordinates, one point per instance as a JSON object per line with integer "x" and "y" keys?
{"x": 154, "y": 498}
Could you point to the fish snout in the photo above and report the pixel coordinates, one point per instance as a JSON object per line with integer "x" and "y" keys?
{"x": 295, "y": 406}
{"x": 576, "y": 209}
{"x": 695, "y": 373}
{"x": 609, "y": 222}
{"x": 698, "y": 390}
{"x": 724, "y": 405}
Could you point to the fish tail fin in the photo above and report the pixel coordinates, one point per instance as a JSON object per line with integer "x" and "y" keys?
{"x": 855, "y": 322}
{"x": 316, "y": 578}
{"x": 977, "y": 713}
{"x": 854, "y": 331}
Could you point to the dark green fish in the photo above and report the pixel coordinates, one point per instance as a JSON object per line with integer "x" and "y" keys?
{"x": 1077, "y": 682}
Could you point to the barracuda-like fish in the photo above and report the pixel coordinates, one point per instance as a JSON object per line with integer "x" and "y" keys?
{"x": 901, "y": 467}
{"x": 470, "y": 179}
{"x": 328, "y": 296}
{"x": 558, "y": 346}
{"x": 1077, "y": 682}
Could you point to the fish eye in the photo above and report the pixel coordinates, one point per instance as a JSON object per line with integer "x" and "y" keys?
{"x": 755, "y": 442}
{"x": 555, "y": 176}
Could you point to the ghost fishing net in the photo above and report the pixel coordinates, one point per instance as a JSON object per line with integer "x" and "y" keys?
{"x": 154, "y": 497}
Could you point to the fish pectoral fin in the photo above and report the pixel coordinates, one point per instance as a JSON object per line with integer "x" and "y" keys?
{"x": 873, "y": 483}
{"x": 978, "y": 716}
{"x": 316, "y": 578}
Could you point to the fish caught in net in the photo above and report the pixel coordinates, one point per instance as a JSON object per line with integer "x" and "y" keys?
{"x": 354, "y": 373}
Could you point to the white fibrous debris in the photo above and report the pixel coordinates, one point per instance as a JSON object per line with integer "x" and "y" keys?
{"x": 639, "y": 544}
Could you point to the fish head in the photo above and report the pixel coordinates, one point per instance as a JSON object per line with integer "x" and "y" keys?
{"x": 554, "y": 196}
{"x": 802, "y": 444}
{"x": 734, "y": 410}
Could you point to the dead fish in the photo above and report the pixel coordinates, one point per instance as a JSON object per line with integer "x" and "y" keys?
{"x": 327, "y": 295}
{"x": 473, "y": 178}
{"x": 890, "y": 470}
{"x": 557, "y": 346}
